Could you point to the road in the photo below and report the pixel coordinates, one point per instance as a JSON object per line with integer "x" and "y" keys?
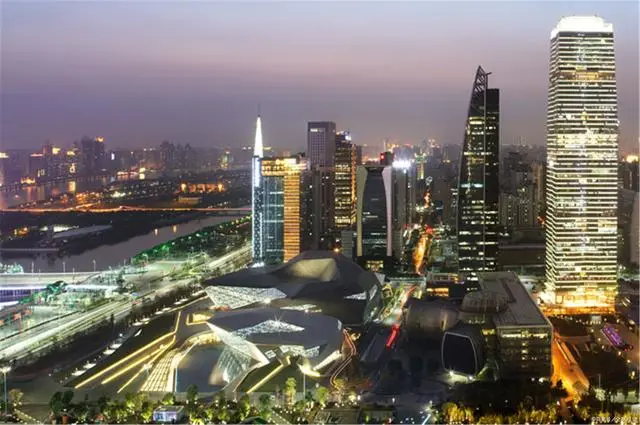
{"x": 38, "y": 338}
{"x": 44, "y": 278}
{"x": 566, "y": 369}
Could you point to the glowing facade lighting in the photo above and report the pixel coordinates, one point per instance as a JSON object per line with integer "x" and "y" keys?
{"x": 582, "y": 159}
{"x": 256, "y": 194}
{"x": 478, "y": 185}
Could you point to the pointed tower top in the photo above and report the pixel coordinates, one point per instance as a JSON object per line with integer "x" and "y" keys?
{"x": 257, "y": 147}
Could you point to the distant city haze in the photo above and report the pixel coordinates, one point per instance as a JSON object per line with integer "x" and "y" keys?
{"x": 138, "y": 73}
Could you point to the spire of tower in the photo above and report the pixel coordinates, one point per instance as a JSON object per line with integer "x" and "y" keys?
{"x": 257, "y": 147}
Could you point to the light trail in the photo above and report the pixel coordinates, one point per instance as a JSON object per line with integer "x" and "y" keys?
{"x": 81, "y": 208}
{"x": 119, "y": 362}
{"x": 352, "y": 348}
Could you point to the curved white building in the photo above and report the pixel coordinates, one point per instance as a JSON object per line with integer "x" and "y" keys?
{"x": 256, "y": 337}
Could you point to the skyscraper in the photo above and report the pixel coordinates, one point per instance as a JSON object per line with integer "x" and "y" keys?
{"x": 92, "y": 156}
{"x": 582, "y": 160}
{"x": 321, "y": 142}
{"x": 404, "y": 202}
{"x": 281, "y": 220}
{"x": 478, "y": 184}
{"x": 256, "y": 195}
{"x": 345, "y": 182}
{"x": 374, "y": 241}
{"x": 321, "y": 148}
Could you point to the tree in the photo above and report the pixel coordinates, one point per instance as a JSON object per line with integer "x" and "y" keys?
{"x": 244, "y": 407}
{"x": 103, "y": 402}
{"x": 490, "y": 419}
{"x": 322, "y": 394}
{"x": 583, "y": 412}
{"x": 340, "y": 386}
{"x": 81, "y": 412}
{"x": 192, "y": 393}
{"x": 55, "y": 403}
{"x": 15, "y": 397}
{"x": 67, "y": 397}
{"x": 265, "y": 405}
{"x": 223, "y": 415}
{"x": 290, "y": 389}
{"x": 168, "y": 399}
{"x": 450, "y": 411}
{"x": 146, "y": 413}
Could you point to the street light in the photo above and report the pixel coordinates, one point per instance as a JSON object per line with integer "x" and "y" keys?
{"x": 5, "y": 370}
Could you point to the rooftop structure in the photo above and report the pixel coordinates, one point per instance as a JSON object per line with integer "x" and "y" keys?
{"x": 258, "y": 337}
{"x": 518, "y": 308}
{"x": 315, "y": 278}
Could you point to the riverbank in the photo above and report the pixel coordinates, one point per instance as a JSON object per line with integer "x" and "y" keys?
{"x": 140, "y": 231}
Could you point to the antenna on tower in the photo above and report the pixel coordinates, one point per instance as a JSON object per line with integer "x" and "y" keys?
{"x": 258, "y": 109}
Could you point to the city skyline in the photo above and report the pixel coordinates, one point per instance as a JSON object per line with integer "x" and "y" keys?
{"x": 148, "y": 86}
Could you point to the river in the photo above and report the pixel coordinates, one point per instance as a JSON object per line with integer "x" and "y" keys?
{"x": 112, "y": 255}
{"x": 43, "y": 191}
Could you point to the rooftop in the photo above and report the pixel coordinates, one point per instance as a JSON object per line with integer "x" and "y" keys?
{"x": 582, "y": 24}
{"x": 520, "y": 309}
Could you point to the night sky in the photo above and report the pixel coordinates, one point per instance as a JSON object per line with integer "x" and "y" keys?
{"x": 139, "y": 72}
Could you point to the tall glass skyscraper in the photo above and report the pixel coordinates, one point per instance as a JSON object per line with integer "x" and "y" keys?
{"x": 374, "y": 243}
{"x": 344, "y": 182}
{"x": 256, "y": 195}
{"x": 582, "y": 153}
{"x": 478, "y": 184}
{"x": 281, "y": 219}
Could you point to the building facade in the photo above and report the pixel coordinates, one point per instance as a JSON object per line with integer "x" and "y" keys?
{"x": 92, "y": 155}
{"x": 374, "y": 240}
{"x": 582, "y": 160}
{"x": 478, "y": 184}
{"x": 257, "y": 249}
{"x": 281, "y": 202}
{"x": 345, "y": 182}
{"x": 321, "y": 149}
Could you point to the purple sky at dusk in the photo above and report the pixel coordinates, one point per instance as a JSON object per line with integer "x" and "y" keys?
{"x": 139, "y": 72}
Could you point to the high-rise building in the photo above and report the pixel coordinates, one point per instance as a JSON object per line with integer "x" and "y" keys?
{"x": 321, "y": 149}
{"x": 281, "y": 202}
{"x": 582, "y": 161}
{"x": 345, "y": 182}
{"x": 479, "y": 181}
{"x": 256, "y": 195}
{"x": 321, "y": 143}
{"x": 404, "y": 202}
{"x": 630, "y": 173}
{"x": 374, "y": 218}
{"x": 92, "y": 155}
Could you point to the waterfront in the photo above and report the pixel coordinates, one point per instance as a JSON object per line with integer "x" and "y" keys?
{"x": 43, "y": 191}
{"x": 112, "y": 255}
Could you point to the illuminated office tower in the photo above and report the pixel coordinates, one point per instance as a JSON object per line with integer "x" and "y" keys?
{"x": 256, "y": 196}
{"x": 374, "y": 218}
{"x": 478, "y": 184}
{"x": 582, "y": 160}
{"x": 345, "y": 182}
{"x": 281, "y": 219}
{"x": 321, "y": 148}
